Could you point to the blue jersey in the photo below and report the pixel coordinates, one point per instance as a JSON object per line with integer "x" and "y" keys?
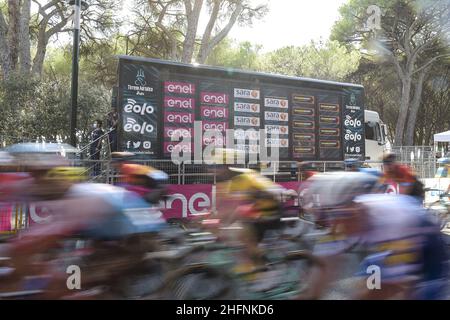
{"x": 400, "y": 239}
{"x": 131, "y": 214}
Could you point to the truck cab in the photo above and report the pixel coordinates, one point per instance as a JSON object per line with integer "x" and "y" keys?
{"x": 375, "y": 135}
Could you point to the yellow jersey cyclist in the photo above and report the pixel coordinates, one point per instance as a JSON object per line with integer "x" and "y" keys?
{"x": 249, "y": 197}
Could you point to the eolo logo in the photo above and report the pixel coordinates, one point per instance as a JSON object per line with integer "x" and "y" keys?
{"x": 133, "y": 126}
{"x": 131, "y": 106}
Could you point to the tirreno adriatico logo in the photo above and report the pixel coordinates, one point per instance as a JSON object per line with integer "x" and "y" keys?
{"x": 140, "y": 78}
{"x": 352, "y": 99}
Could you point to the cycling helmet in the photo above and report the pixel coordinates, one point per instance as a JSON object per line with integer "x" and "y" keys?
{"x": 328, "y": 193}
{"x": 72, "y": 174}
{"x": 389, "y": 158}
{"x": 137, "y": 170}
{"x": 122, "y": 156}
{"x": 352, "y": 163}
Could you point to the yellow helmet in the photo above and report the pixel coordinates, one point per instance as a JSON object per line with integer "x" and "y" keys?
{"x": 72, "y": 174}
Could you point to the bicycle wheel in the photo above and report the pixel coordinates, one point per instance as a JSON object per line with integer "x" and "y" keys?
{"x": 147, "y": 280}
{"x": 198, "y": 282}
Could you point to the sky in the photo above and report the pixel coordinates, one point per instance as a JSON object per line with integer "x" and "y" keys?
{"x": 291, "y": 22}
{"x": 288, "y": 22}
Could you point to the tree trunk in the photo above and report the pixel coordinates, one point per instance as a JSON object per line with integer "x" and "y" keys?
{"x": 417, "y": 99}
{"x": 4, "y": 47}
{"x": 193, "y": 16}
{"x": 13, "y": 32}
{"x": 202, "y": 54}
{"x": 403, "y": 112}
{"x": 24, "y": 41}
{"x": 209, "y": 43}
{"x": 38, "y": 61}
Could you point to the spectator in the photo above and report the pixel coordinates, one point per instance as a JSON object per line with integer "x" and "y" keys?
{"x": 96, "y": 145}
{"x": 113, "y": 122}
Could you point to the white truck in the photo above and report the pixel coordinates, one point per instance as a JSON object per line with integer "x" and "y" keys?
{"x": 375, "y": 134}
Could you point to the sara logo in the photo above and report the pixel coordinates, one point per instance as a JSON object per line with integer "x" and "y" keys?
{"x": 131, "y": 106}
{"x": 350, "y": 122}
{"x": 277, "y": 129}
{"x": 250, "y": 134}
{"x": 352, "y": 136}
{"x": 246, "y": 107}
{"x": 282, "y": 143}
{"x": 246, "y": 93}
{"x": 251, "y": 148}
{"x": 276, "y": 103}
{"x": 276, "y": 116}
{"x": 133, "y": 126}
{"x": 246, "y": 121}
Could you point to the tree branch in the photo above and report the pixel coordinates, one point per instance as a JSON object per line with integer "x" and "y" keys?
{"x": 429, "y": 63}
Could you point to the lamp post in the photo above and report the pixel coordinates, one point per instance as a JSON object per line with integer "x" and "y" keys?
{"x": 77, "y": 4}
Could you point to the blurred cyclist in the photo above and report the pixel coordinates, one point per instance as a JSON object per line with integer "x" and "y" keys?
{"x": 353, "y": 165}
{"x": 307, "y": 170}
{"x": 247, "y": 196}
{"x": 394, "y": 232}
{"x": 148, "y": 182}
{"x": 101, "y": 213}
{"x": 403, "y": 175}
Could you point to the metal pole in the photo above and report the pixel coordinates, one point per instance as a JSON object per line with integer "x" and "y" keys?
{"x": 75, "y": 56}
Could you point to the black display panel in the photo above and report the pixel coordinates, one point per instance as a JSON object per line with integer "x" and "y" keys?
{"x": 305, "y": 119}
{"x": 139, "y": 108}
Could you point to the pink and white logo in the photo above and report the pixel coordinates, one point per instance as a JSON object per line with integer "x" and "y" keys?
{"x": 182, "y": 132}
{"x": 211, "y": 125}
{"x": 217, "y": 141}
{"x": 214, "y": 112}
{"x": 214, "y": 98}
{"x": 179, "y": 87}
{"x": 178, "y": 117}
{"x": 179, "y": 103}
{"x": 177, "y": 147}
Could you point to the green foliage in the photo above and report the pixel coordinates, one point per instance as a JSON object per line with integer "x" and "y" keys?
{"x": 328, "y": 61}
{"x": 244, "y": 55}
{"x": 32, "y": 110}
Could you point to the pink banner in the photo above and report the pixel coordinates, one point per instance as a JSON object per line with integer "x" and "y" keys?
{"x": 214, "y": 98}
{"x": 217, "y": 141}
{"x": 178, "y": 117}
{"x": 214, "y": 112}
{"x": 188, "y": 201}
{"x": 212, "y": 125}
{"x": 195, "y": 200}
{"x": 5, "y": 217}
{"x": 179, "y": 87}
{"x": 182, "y": 132}
{"x": 179, "y": 103}
{"x": 178, "y": 147}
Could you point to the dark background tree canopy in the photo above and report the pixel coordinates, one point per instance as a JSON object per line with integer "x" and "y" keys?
{"x": 404, "y": 65}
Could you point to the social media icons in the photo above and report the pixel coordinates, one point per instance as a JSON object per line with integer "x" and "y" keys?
{"x": 138, "y": 144}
